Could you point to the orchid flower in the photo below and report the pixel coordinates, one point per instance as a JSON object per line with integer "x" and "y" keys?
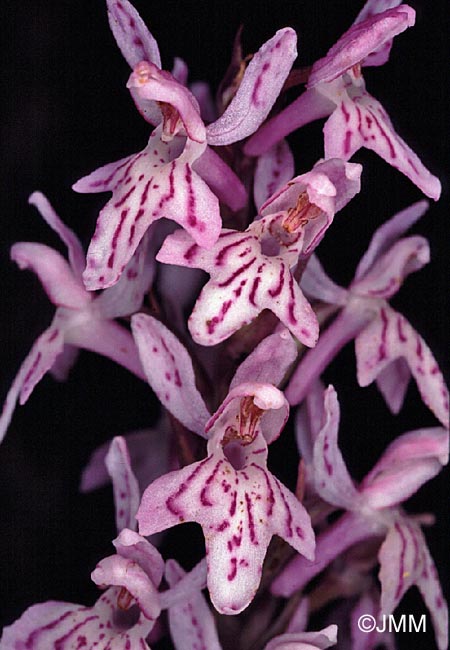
{"x": 124, "y": 615}
{"x": 251, "y": 270}
{"x": 82, "y": 320}
{"x": 373, "y": 511}
{"x": 160, "y": 181}
{"x": 336, "y": 88}
{"x": 233, "y": 496}
{"x": 387, "y": 347}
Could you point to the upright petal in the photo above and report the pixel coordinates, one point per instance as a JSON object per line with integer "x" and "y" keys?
{"x": 359, "y": 41}
{"x": 273, "y": 169}
{"x": 410, "y": 461}
{"x": 387, "y": 234}
{"x": 125, "y": 485}
{"x": 269, "y": 361}
{"x": 390, "y": 336}
{"x": 389, "y": 271}
{"x": 77, "y": 258}
{"x": 191, "y": 623}
{"x": 258, "y": 90}
{"x": 170, "y": 373}
{"x": 331, "y": 478}
{"x": 54, "y": 273}
{"x": 380, "y": 55}
{"x": 131, "y": 34}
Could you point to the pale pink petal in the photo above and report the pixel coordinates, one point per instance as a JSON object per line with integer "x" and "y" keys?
{"x": 38, "y": 361}
{"x": 305, "y": 640}
{"x": 371, "y": 8}
{"x": 387, "y": 234}
{"x": 77, "y": 258}
{"x": 310, "y": 106}
{"x": 363, "y": 122}
{"x": 359, "y": 41}
{"x": 125, "y": 485}
{"x": 258, "y": 90}
{"x": 169, "y": 371}
{"x": 191, "y": 623}
{"x": 405, "y": 561}
{"x": 388, "y": 272}
{"x": 154, "y": 184}
{"x": 131, "y": 34}
{"x": 269, "y": 361}
{"x": 118, "y": 571}
{"x": 316, "y": 284}
{"x": 331, "y": 478}
{"x": 54, "y": 273}
{"x": 221, "y": 179}
{"x": 69, "y": 626}
{"x": 390, "y": 336}
{"x": 149, "y": 457}
{"x": 127, "y": 295}
{"x": 273, "y": 169}
{"x": 149, "y": 83}
{"x": 411, "y": 460}
{"x": 131, "y": 546}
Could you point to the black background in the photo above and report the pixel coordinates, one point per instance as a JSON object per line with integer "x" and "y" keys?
{"x": 65, "y": 111}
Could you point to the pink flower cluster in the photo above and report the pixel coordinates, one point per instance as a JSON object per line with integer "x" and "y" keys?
{"x": 183, "y": 206}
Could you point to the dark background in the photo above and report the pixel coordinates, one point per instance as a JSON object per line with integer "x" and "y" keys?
{"x": 66, "y": 111}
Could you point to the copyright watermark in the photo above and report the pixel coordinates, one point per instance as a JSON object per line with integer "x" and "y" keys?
{"x": 404, "y": 623}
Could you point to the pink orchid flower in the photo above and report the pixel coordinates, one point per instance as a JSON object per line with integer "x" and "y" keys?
{"x": 336, "y": 88}
{"x": 251, "y": 270}
{"x": 373, "y": 511}
{"x": 233, "y": 496}
{"x": 161, "y": 181}
{"x": 81, "y": 320}
{"x": 124, "y": 615}
{"x": 387, "y": 347}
